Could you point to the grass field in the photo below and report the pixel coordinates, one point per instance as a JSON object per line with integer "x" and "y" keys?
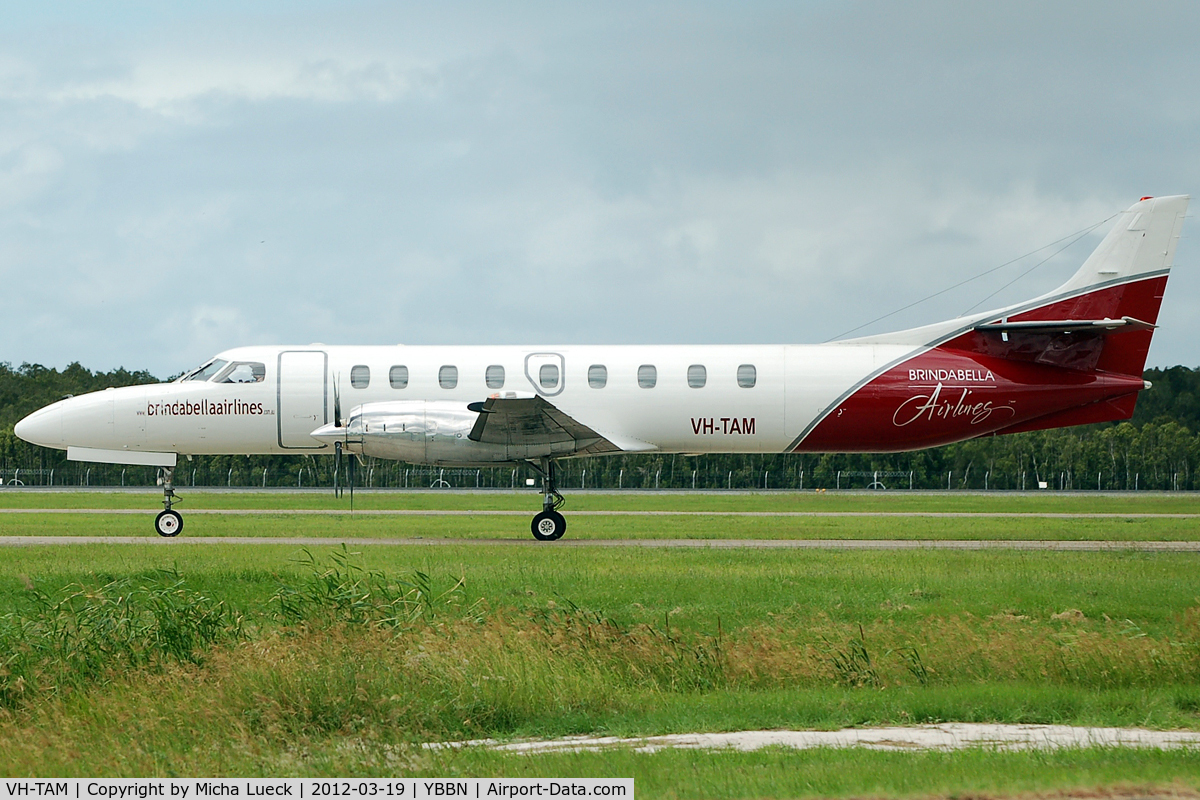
{"x": 689, "y": 516}
{"x": 498, "y": 500}
{"x": 584, "y": 527}
{"x": 274, "y": 660}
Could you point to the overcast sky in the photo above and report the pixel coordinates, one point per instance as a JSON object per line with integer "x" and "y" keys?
{"x": 179, "y": 179}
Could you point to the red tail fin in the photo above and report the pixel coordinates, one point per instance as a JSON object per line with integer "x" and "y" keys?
{"x": 1123, "y": 279}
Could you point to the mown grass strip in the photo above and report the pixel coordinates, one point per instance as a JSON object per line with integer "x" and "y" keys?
{"x": 483, "y": 526}
{"x": 1030, "y": 502}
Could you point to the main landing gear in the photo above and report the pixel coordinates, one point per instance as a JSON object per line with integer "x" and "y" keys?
{"x": 168, "y": 522}
{"x": 548, "y": 525}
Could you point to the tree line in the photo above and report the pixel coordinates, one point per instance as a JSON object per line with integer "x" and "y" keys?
{"x": 1157, "y": 449}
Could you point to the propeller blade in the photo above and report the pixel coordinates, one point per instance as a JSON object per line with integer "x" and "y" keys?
{"x": 337, "y": 468}
{"x": 337, "y": 402}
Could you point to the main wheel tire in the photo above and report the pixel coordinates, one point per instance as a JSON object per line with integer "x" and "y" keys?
{"x": 548, "y": 526}
{"x": 168, "y": 523}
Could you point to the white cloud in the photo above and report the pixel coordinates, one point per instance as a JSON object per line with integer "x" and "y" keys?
{"x": 27, "y": 171}
{"x": 465, "y": 173}
{"x": 803, "y": 256}
{"x": 170, "y": 85}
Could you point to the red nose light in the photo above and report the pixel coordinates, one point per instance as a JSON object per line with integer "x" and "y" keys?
{"x": 1151, "y": 197}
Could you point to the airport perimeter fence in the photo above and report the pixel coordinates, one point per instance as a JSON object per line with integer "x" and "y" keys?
{"x": 674, "y": 474}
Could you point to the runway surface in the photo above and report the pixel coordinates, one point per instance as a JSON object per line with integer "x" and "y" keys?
{"x": 526, "y": 513}
{"x": 715, "y": 544}
{"x": 946, "y": 736}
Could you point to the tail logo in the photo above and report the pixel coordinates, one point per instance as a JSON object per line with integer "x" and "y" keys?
{"x": 934, "y": 407}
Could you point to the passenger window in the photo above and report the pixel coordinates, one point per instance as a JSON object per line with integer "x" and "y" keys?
{"x": 697, "y": 376}
{"x": 747, "y": 376}
{"x": 207, "y": 371}
{"x": 360, "y": 376}
{"x": 398, "y": 377}
{"x": 494, "y": 377}
{"x": 448, "y": 377}
{"x": 597, "y": 376}
{"x": 548, "y": 376}
{"x": 243, "y": 372}
{"x": 647, "y": 376}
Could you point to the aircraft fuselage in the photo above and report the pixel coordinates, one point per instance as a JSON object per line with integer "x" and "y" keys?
{"x": 1072, "y": 356}
{"x": 673, "y": 399}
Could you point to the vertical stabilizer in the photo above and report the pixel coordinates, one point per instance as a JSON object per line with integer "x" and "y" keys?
{"x": 1073, "y": 356}
{"x": 1124, "y": 277}
{"x": 1141, "y": 243}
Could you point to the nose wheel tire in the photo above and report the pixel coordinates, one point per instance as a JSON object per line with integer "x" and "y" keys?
{"x": 548, "y": 526}
{"x": 168, "y": 523}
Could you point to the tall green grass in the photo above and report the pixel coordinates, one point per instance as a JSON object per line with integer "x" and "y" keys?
{"x": 501, "y": 661}
{"x": 343, "y": 589}
{"x": 89, "y": 634}
{"x": 740, "y": 587}
{"x": 202, "y": 660}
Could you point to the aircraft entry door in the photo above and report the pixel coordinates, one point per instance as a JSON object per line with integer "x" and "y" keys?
{"x": 302, "y": 398}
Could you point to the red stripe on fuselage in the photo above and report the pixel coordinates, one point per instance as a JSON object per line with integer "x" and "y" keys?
{"x": 945, "y": 396}
{"x": 980, "y": 383}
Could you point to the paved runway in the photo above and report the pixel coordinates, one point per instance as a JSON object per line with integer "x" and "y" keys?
{"x": 528, "y": 513}
{"x": 716, "y": 544}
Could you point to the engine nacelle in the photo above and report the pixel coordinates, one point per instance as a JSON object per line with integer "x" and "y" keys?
{"x": 432, "y": 432}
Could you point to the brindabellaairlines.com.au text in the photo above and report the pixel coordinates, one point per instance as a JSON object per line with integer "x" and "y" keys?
{"x": 202, "y": 408}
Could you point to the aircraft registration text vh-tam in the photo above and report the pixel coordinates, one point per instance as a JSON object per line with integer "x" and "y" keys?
{"x": 1070, "y": 357}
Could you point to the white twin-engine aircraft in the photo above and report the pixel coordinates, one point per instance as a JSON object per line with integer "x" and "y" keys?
{"x": 1070, "y": 357}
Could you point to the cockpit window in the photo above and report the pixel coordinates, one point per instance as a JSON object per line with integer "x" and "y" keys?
{"x": 207, "y": 371}
{"x": 242, "y": 372}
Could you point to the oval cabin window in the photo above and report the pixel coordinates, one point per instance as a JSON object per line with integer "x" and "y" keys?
{"x": 647, "y": 376}
{"x": 360, "y": 376}
{"x": 398, "y": 377}
{"x": 448, "y": 376}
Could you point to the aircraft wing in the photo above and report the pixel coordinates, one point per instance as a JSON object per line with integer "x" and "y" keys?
{"x": 534, "y": 421}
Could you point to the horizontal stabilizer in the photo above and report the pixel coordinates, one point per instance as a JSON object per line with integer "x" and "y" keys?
{"x": 1124, "y": 324}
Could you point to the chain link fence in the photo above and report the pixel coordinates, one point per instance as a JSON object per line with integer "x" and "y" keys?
{"x": 633, "y": 473}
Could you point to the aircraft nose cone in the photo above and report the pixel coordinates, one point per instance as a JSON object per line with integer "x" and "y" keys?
{"x": 43, "y": 427}
{"x": 329, "y": 434}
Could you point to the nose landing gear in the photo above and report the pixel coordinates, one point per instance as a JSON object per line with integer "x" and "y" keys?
{"x": 168, "y": 522}
{"x": 548, "y": 525}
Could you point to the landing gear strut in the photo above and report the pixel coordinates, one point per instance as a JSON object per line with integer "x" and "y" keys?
{"x": 168, "y": 522}
{"x": 548, "y": 525}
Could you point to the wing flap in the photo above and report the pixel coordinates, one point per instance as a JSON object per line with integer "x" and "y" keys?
{"x": 532, "y": 421}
